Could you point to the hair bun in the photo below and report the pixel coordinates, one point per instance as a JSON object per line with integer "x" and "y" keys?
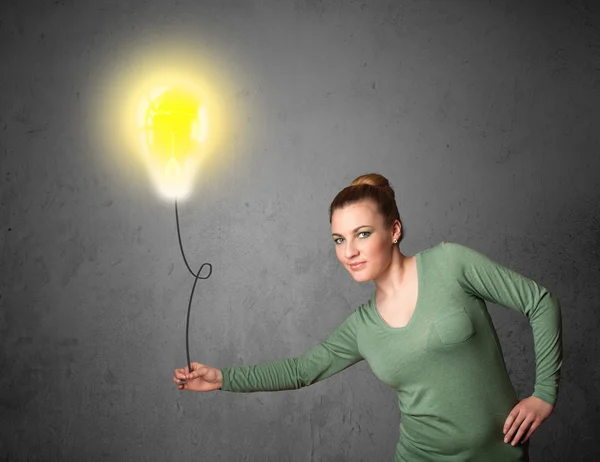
{"x": 373, "y": 179}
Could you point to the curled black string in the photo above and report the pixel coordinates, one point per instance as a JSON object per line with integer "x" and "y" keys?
{"x": 196, "y": 277}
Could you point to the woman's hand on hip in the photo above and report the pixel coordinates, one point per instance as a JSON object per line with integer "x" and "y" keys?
{"x": 525, "y": 418}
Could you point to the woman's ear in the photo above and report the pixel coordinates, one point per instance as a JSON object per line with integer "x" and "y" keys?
{"x": 397, "y": 230}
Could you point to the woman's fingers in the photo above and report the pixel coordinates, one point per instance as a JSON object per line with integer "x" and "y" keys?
{"x": 533, "y": 428}
{"x": 517, "y": 421}
{"x": 180, "y": 373}
{"x": 184, "y": 373}
{"x": 522, "y": 430}
{"x": 199, "y": 371}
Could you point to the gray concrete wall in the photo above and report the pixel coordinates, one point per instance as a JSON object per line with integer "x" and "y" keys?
{"x": 483, "y": 115}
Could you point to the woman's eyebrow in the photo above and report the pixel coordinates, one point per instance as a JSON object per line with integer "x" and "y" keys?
{"x": 354, "y": 230}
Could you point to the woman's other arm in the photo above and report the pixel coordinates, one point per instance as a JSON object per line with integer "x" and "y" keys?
{"x": 480, "y": 276}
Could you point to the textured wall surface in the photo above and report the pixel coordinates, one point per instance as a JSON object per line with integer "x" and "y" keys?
{"x": 483, "y": 115}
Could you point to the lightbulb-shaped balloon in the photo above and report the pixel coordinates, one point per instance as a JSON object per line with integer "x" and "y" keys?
{"x": 174, "y": 126}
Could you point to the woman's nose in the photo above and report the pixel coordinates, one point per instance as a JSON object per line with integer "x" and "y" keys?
{"x": 351, "y": 251}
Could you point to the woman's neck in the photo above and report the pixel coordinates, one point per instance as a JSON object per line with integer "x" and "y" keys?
{"x": 392, "y": 282}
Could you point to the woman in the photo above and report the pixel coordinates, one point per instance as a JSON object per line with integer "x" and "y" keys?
{"x": 425, "y": 332}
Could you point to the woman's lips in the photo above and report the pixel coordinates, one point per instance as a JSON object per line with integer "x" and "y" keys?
{"x": 358, "y": 266}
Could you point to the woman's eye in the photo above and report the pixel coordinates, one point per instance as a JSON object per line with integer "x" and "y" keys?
{"x": 367, "y": 234}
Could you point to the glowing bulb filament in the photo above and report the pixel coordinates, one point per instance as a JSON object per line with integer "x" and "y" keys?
{"x": 172, "y": 170}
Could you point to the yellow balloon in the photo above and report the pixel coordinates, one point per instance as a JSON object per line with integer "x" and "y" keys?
{"x": 173, "y": 128}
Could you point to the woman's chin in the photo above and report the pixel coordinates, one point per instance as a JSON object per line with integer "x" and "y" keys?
{"x": 359, "y": 277}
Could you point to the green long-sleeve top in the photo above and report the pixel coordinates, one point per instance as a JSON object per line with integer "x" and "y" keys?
{"x": 446, "y": 364}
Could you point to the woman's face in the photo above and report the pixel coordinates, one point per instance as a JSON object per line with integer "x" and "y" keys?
{"x": 359, "y": 236}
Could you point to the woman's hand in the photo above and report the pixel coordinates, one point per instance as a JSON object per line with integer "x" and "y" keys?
{"x": 526, "y": 416}
{"x": 201, "y": 378}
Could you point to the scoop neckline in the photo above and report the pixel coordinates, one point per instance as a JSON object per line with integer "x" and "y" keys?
{"x": 411, "y": 321}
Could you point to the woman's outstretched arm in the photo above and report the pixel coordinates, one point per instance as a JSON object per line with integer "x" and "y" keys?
{"x": 336, "y": 353}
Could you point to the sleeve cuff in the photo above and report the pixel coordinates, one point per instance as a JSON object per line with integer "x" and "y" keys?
{"x": 225, "y": 385}
{"x": 550, "y": 399}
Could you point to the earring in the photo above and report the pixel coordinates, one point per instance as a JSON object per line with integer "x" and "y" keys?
{"x": 395, "y": 241}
